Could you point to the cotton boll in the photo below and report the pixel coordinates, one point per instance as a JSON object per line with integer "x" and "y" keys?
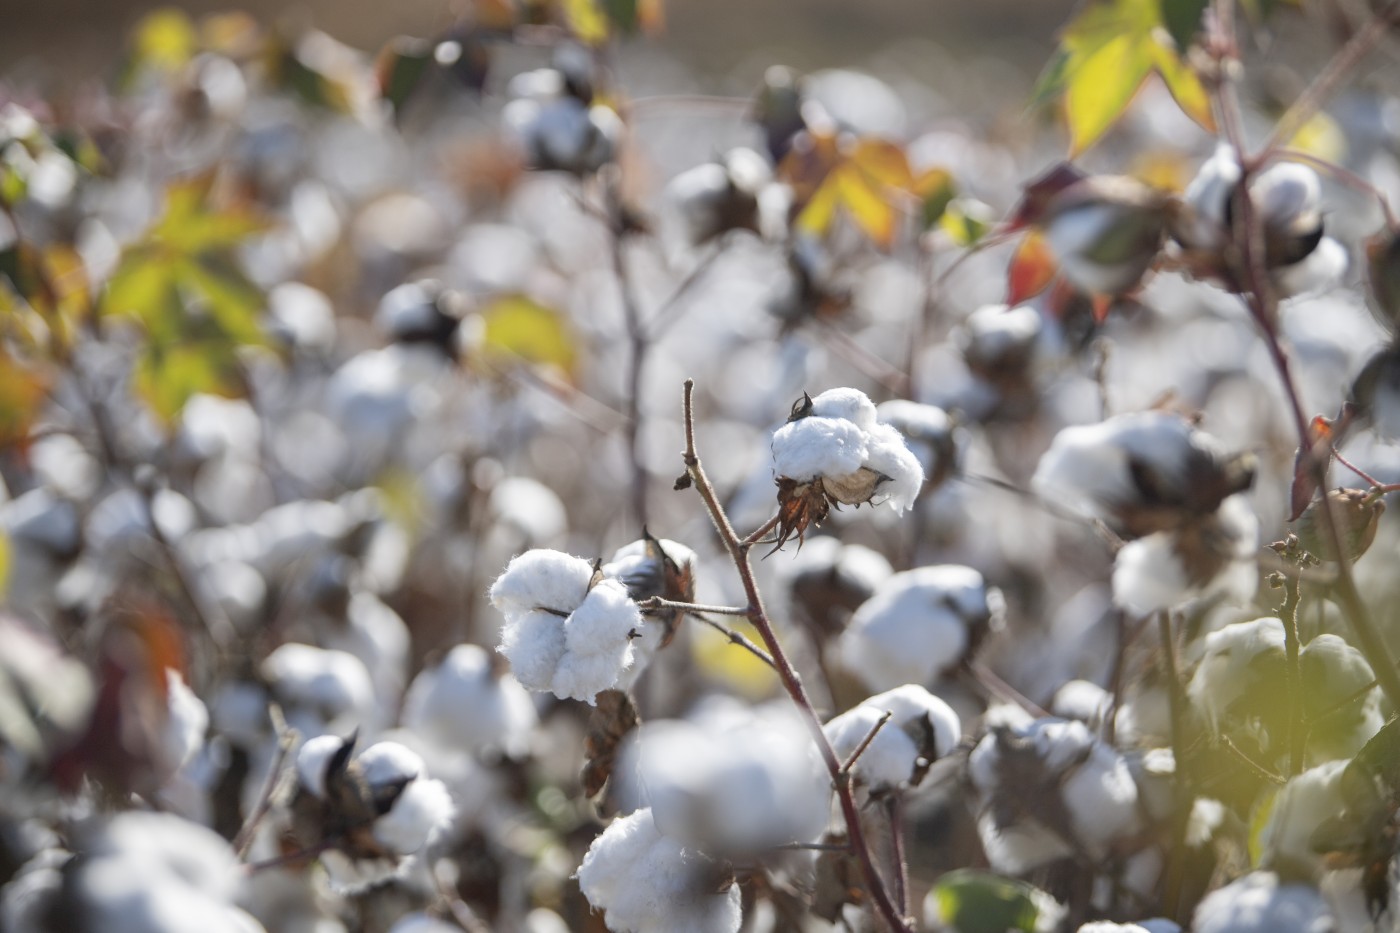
{"x": 920, "y": 726}
{"x": 63, "y": 464}
{"x": 1287, "y": 196}
{"x": 647, "y": 883}
{"x": 534, "y": 643}
{"x": 423, "y": 923}
{"x": 1319, "y": 270}
{"x": 919, "y": 625}
{"x": 1237, "y": 659}
{"x": 1208, "y": 195}
{"x": 1212, "y": 557}
{"x": 321, "y": 691}
{"x": 604, "y": 623}
{"x": 313, "y": 758}
{"x": 464, "y": 704}
{"x": 1048, "y": 789}
{"x": 530, "y": 506}
{"x": 929, "y": 432}
{"x": 542, "y": 579}
{"x": 1259, "y": 903}
{"x": 1303, "y": 805}
{"x": 186, "y": 723}
{"x": 813, "y": 447}
{"x": 385, "y": 764}
{"x": 1082, "y": 700}
{"x": 1146, "y": 926}
{"x": 846, "y": 405}
{"x": 39, "y": 518}
{"x": 211, "y": 426}
{"x": 419, "y": 814}
{"x": 302, "y": 316}
{"x": 889, "y": 456}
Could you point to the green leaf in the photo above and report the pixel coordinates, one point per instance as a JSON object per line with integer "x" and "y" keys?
{"x": 966, "y": 220}
{"x": 936, "y": 189}
{"x": 977, "y": 902}
{"x": 400, "y": 68}
{"x": 1183, "y": 19}
{"x": 1106, "y": 53}
{"x": 169, "y": 374}
{"x": 518, "y": 327}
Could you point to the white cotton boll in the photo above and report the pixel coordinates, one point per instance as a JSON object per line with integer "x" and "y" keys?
{"x": 1210, "y": 191}
{"x": 303, "y": 315}
{"x": 1284, "y": 193}
{"x": 323, "y": 690}
{"x": 1148, "y": 575}
{"x": 186, "y": 723}
{"x": 160, "y": 847}
{"x": 462, "y": 703}
{"x": 604, "y": 623}
{"x": 1318, "y": 271}
{"x": 892, "y": 756}
{"x": 544, "y": 920}
{"x": 534, "y": 643}
{"x": 850, "y": 405}
{"x": 211, "y": 426}
{"x": 646, "y": 883}
{"x": 1258, "y": 903}
{"x": 1233, "y": 662}
{"x": 1145, "y": 926}
{"x": 63, "y": 464}
{"x": 1081, "y": 700}
{"x": 1017, "y": 849}
{"x": 889, "y": 456}
{"x": 1102, "y": 799}
{"x": 542, "y": 578}
{"x": 811, "y": 447}
{"x": 1305, "y": 803}
{"x": 584, "y": 676}
{"x": 919, "y": 624}
{"x": 419, "y": 814}
{"x": 388, "y": 763}
{"x": 313, "y": 760}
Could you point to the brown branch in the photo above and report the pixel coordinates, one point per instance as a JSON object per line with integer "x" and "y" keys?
{"x": 738, "y": 551}
{"x": 286, "y": 739}
{"x": 849, "y": 764}
{"x": 736, "y": 638}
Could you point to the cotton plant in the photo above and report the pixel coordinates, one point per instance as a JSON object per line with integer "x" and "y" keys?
{"x": 834, "y": 451}
{"x": 919, "y": 626}
{"x": 568, "y": 629}
{"x": 1050, "y": 790}
{"x": 1175, "y": 496}
{"x": 373, "y": 813}
{"x": 647, "y": 882}
{"x": 1263, "y": 901}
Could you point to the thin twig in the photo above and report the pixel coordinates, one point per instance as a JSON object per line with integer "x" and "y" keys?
{"x": 849, "y": 764}
{"x": 895, "y": 807}
{"x": 294, "y": 858}
{"x": 1229, "y": 745}
{"x": 638, "y": 347}
{"x": 736, "y": 638}
{"x": 656, "y": 603}
{"x": 661, "y": 319}
{"x": 286, "y": 738}
{"x": 1297, "y": 731}
{"x": 999, "y": 689}
{"x": 739, "y": 553}
{"x": 761, "y": 532}
{"x": 464, "y": 916}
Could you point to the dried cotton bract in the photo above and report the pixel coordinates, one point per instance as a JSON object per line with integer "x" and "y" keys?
{"x": 1169, "y": 489}
{"x": 568, "y": 630}
{"x": 645, "y": 882}
{"x": 833, "y": 451}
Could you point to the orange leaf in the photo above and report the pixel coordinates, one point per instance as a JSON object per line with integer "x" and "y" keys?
{"x": 1032, "y": 268}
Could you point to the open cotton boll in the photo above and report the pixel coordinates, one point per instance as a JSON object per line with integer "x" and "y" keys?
{"x": 918, "y": 625}
{"x": 1214, "y": 557}
{"x": 1304, "y": 804}
{"x": 462, "y": 703}
{"x": 187, "y": 720}
{"x": 420, "y": 812}
{"x": 1259, "y": 903}
{"x": 1082, "y": 700}
{"x": 921, "y": 726}
{"x": 813, "y": 447}
{"x": 542, "y": 579}
{"x": 729, "y": 784}
{"x": 1237, "y": 659}
{"x": 845, "y": 404}
{"x": 645, "y": 882}
{"x": 534, "y": 644}
{"x": 385, "y": 764}
{"x": 320, "y": 690}
{"x": 530, "y": 506}
{"x": 1319, "y": 270}
{"x": 1287, "y": 195}
{"x": 889, "y": 456}
{"x": 1143, "y": 926}
{"x": 1048, "y": 789}
{"x": 313, "y": 758}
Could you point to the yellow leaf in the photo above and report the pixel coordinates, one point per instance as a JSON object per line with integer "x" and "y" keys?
{"x": 868, "y": 205}
{"x": 815, "y": 219}
{"x": 721, "y": 660}
{"x": 1105, "y": 54}
{"x": 165, "y": 39}
{"x": 4, "y": 564}
{"x": 401, "y": 496}
{"x": 1322, "y": 138}
{"x": 1184, "y": 84}
{"x": 516, "y": 326}
{"x": 587, "y": 20}
{"x": 883, "y": 163}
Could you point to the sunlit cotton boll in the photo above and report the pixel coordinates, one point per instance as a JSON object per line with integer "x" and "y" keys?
{"x": 320, "y": 690}
{"x": 1260, "y": 903}
{"x": 1237, "y": 659}
{"x": 155, "y": 873}
{"x": 561, "y": 636}
{"x": 1214, "y": 559}
{"x": 1306, "y": 803}
{"x": 729, "y": 784}
{"x": 1048, "y": 790}
{"x": 645, "y": 882}
{"x": 465, "y": 704}
{"x": 919, "y": 625}
{"x": 921, "y": 729}
{"x": 835, "y": 439}
{"x": 1142, "y": 926}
